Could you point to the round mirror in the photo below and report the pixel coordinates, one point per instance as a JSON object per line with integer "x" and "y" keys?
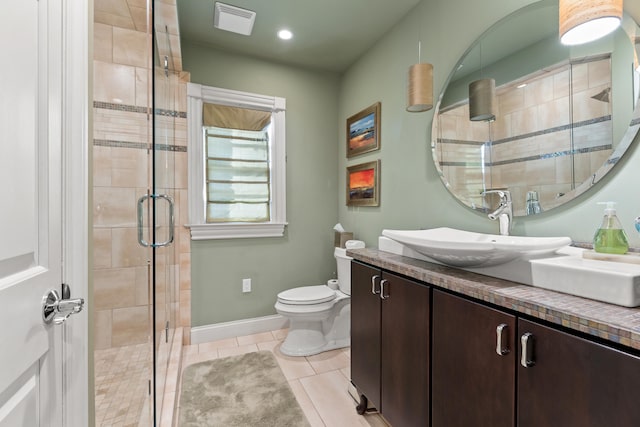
{"x": 561, "y": 116}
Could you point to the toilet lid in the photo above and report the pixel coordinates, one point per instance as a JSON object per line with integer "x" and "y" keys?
{"x": 307, "y": 295}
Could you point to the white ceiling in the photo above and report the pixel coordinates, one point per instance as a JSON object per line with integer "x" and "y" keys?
{"x": 328, "y": 34}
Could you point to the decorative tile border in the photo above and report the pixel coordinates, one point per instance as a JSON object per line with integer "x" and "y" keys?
{"x": 531, "y": 135}
{"x": 140, "y": 110}
{"x": 613, "y": 323}
{"x": 136, "y": 109}
{"x": 120, "y": 107}
{"x": 554, "y": 130}
{"x": 538, "y": 157}
{"x": 171, "y": 113}
{"x": 138, "y": 145}
{"x": 551, "y": 155}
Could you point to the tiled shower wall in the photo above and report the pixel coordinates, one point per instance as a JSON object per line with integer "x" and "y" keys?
{"x": 121, "y": 174}
{"x": 529, "y": 146}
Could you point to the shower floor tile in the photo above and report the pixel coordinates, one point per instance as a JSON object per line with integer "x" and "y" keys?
{"x": 121, "y": 384}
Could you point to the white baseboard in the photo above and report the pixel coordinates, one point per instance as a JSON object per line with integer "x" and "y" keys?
{"x": 220, "y": 331}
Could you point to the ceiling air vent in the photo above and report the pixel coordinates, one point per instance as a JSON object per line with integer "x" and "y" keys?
{"x": 234, "y": 19}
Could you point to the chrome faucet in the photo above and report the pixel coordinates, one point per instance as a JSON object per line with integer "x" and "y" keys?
{"x": 504, "y": 212}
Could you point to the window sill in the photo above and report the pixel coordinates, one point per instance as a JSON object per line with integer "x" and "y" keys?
{"x": 235, "y": 230}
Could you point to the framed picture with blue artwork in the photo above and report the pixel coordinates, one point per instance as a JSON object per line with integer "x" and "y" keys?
{"x": 363, "y": 131}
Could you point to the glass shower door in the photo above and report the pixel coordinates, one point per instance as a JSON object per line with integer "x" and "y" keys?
{"x": 163, "y": 202}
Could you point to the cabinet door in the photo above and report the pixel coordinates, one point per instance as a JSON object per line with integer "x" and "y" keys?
{"x": 472, "y": 385}
{"x": 405, "y": 351}
{"x": 365, "y": 332}
{"x": 574, "y": 382}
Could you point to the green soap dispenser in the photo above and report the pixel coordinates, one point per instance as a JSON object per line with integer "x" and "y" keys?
{"x": 610, "y": 237}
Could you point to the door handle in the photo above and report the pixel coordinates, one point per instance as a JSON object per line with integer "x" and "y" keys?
{"x": 382, "y": 294}
{"x": 373, "y": 285}
{"x": 141, "y": 240}
{"x": 56, "y": 309}
{"x": 502, "y": 339}
{"x": 172, "y": 221}
{"x": 526, "y": 360}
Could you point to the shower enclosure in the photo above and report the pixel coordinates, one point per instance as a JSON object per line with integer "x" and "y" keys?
{"x": 136, "y": 194}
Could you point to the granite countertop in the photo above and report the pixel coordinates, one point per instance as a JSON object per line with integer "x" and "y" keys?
{"x": 610, "y": 322}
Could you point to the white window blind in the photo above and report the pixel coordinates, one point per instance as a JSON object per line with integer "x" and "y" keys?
{"x": 237, "y": 164}
{"x": 238, "y": 175}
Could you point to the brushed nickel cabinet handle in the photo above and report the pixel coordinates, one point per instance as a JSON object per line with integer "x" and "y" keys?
{"x": 527, "y": 341}
{"x": 373, "y": 285}
{"x": 502, "y": 339}
{"x": 382, "y": 294}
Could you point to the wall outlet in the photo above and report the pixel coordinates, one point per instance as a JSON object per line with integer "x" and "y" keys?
{"x": 246, "y": 285}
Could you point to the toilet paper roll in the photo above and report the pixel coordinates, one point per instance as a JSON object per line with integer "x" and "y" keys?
{"x": 333, "y": 284}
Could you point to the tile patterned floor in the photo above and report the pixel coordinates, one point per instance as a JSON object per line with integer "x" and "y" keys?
{"x": 121, "y": 384}
{"x": 319, "y": 382}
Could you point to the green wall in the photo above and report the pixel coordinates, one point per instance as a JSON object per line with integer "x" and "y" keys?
{"x": 412, "y": 194}
{"x": 304, "y": 256}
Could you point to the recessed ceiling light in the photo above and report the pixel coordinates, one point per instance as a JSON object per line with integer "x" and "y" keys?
{"x": 285, "y": 34}
{"x": 521, "y": 86}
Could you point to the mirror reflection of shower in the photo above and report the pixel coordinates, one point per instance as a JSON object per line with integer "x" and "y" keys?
{"x": 552, "y": 132}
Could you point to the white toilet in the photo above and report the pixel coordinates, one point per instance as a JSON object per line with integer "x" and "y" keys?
{"x": 319, "y": 316}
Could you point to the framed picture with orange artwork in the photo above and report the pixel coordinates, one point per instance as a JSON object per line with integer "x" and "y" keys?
{"x": 363, "y": 131}
{"x": 363, "y": 184}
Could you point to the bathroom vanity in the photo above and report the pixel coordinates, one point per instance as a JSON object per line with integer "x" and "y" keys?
{"x": 435, "y": 345}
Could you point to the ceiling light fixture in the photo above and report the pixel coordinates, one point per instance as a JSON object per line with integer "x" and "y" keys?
{"x": 285, "y": 35}
{"x": 234, "y": 19}
{"x": 582, "y": 21}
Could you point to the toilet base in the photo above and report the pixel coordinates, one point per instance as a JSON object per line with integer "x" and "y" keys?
{"x": 295, "y": 350}
{"x": 319, "y": 332}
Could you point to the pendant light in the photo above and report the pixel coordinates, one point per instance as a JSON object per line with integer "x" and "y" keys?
{"x": 582, "y": 21}
{"x": 420, "y": 87}
{"x": 482, "y": 98}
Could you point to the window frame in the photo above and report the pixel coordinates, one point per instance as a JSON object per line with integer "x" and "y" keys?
{"x": 197, "y": 95}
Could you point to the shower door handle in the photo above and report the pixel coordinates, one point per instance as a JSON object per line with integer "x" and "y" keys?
{"x": 141, "y": 240}
{"x": 141, "y": 201}
{"x": 171, "y": 220}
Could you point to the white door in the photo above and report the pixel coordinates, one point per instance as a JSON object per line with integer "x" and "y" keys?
{"x": 32, "y": 182}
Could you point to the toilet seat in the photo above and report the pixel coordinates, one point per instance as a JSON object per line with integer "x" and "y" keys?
{"x": 307, "y": 295}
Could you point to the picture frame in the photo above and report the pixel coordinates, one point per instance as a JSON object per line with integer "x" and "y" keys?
{"x": 363, "y": 131}
{"x": 363, "y": 184}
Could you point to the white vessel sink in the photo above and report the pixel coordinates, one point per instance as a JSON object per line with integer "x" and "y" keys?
{"x": 612, "y": 282}
{"x": 461, "y": 248}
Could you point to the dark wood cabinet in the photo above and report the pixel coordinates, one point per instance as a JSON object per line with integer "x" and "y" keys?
{"x": 574, "y": 382}
{"x": 390, "y": 330}
{"x": 365, "y": 333}
{"x": 428, "y": 357}
{"x": 473, "y": 360}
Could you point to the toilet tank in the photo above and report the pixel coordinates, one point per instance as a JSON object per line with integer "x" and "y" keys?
{"x": 344, "y": 265}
